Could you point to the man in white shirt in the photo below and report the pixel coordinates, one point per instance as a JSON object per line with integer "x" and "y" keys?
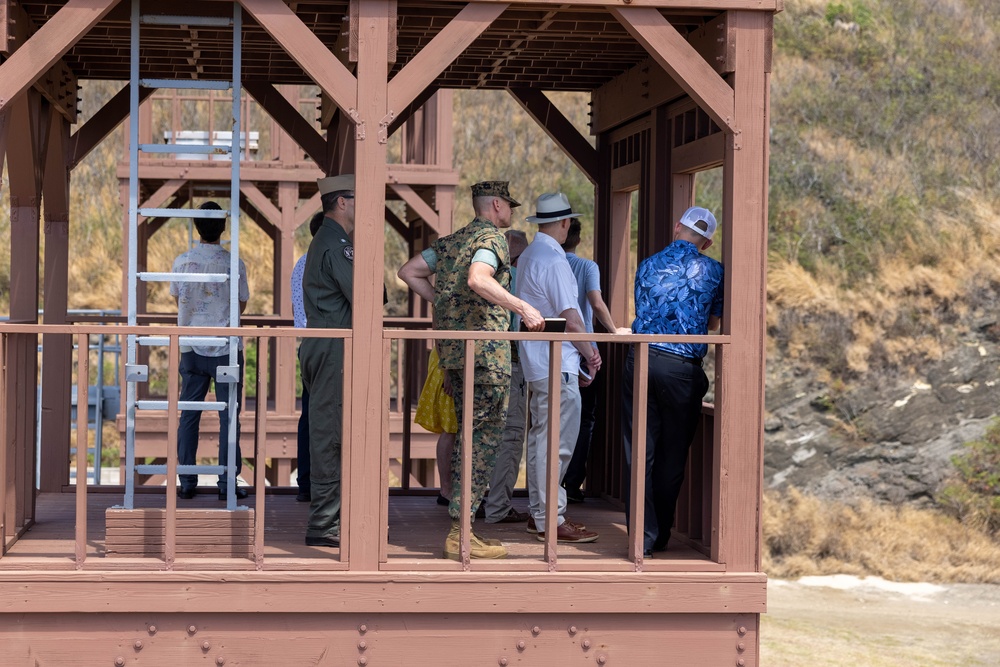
{"x": 546, "y": 281}
{"x": 588, "y": 282}
{"x": 207, "y": 305}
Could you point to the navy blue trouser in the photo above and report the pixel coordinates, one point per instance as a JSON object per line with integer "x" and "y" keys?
{"x": 674, "y": 394}
{"x": 197, "y": 373}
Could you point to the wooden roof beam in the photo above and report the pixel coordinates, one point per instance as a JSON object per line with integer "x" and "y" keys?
{"x": 681, "y": 60}
{"x": 42, "y": 51}
{"x": 101, "y": 124}
{"x": 306, "y": 49}
{"x": 447, "y": 45}
{"x": 290, "y": 120}
{"x": 419, "y": 206}
{"x": 560, "y": 129}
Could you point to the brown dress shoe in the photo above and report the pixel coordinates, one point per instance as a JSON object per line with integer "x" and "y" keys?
{"x": 571, "y": 533}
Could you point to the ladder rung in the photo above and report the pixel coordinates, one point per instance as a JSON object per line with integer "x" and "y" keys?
{"x": 204, "y": 406}
{"x": 163, "y": 19}
{"x": 161, "y": 469}
{"x": 182, "y": 213}
{"x": 153, "y": 341}
{"x": 186, "y": 84}
{"x": 150, "y": 276}
{"x": 201, "y": 149}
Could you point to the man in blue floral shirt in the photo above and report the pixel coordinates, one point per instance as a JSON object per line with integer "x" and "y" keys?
{"x": 677, "y": 291}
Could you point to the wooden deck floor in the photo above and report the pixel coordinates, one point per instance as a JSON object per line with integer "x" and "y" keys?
{"x": 417, "y": 528}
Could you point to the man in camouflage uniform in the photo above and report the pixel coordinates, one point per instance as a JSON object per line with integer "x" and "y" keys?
{"x": 472, "y": 268}
{"x": 328, "y": 295}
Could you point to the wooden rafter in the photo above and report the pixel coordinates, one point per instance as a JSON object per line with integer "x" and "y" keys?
{"x": 306, "y": 209}
{"x": 417, "y": 103}
{"x": 101, "y": 124}
{"x": 673, "y": 53}
{"x": 441, "y": 52}
{"x": 290, "y": 120}
{"x": 260, "y": 202}
{"x": 41, "y": 52}
{"x": 162, "y": 194}
{"x": 417, "y": 203}
{"x": 559, "y": 129}
{"x": 396, "y": 223}
{"x": 254, "y": 214}
{"x": 306, "y": 49}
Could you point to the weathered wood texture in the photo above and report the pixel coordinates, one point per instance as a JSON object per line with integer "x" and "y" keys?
{"x": 198, "y": 533}
{"x": 162, "y": 639}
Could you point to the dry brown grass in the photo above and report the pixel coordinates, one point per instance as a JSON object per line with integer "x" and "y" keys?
{"x": 804, "y": 535}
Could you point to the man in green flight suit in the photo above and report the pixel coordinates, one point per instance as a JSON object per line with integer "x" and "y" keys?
{"x": 328, "y": 293}
{"x": 470, "y": 293}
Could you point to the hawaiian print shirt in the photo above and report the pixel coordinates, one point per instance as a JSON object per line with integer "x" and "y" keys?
{"x": 676, "y": 291}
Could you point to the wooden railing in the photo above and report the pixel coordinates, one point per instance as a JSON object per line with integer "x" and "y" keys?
{"x": 695, "y": 517}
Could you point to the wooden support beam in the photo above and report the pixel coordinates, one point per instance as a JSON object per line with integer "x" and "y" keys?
{"x": 101, "y": 124}
{"x": 305, "y": 48}
{"x": 35, "y": 57}
{"x": 576, "y": 147}
{"x": 57, "y": 349}
{"x": 26, "y": 151}
{"x": 416, "y": 202}
{"x": 158, "y": 198}
{"x": 397, "y": 224}
{"x": 447, "y": 45}
{"x": 290, "y": 120}
{"x": 261, "y": 202}
{"x": 739, "y": 433}
{"x": 675, "y": 55}
{"x": 366, "y": 419}
{"x": 254, "y": 214}
{"x": 411, "y": 108}
{"x": 306, "y": 210}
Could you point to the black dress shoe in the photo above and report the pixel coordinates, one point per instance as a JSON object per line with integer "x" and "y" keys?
{"x": 241, "y": 493}
{"x": 441, "y": 500}
{"x": 304, "y": 497}
{"x": 574, "y": 496}
{"x": 647, "y": 553}
{"x": 322, "y": 541}
{"x": 187, "y": 494}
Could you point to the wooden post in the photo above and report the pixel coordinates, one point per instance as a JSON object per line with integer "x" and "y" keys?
{"x": 368, "y": 401}
{"x": 57, "y": 349}
{"x": 740, "y": 375}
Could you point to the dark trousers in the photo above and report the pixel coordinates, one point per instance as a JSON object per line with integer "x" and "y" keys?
{"x": 303, "y": 445}
{"x": 302, "y": 454}
{"x": 674, "y": 394}
{"x": 576, "y": 472}
{"x": 197, "y": 373}
{"x": 322, "y": 361}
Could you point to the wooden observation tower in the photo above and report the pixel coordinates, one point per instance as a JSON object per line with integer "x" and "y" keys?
{"x": 677, "y": 87}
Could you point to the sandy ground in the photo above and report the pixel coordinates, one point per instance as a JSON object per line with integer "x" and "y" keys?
{"x": 871, "y": 622}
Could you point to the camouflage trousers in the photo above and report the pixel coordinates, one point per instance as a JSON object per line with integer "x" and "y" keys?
{"x": 489, "y": 415}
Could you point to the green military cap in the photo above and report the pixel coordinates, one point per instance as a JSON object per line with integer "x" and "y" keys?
{"x": 494, "y": 189}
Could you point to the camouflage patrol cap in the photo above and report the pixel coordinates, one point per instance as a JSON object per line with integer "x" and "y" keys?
{"x": 494, "y": 189}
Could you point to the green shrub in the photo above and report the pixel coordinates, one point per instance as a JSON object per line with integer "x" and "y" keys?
{"x": 855, "y": 11}
{"x": 973, "y": 495}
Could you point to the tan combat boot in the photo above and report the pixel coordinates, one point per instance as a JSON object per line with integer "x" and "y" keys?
{"x": 478, "y": 547}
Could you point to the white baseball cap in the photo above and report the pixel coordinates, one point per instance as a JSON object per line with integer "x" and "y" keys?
{"x": 697, "y": 214}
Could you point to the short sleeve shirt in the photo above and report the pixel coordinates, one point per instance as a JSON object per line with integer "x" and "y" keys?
{"x": 298, "y": 306}
{"x": 206, "y": 304}
{"x": 546, "y": 281}
{"x": 588, "y": 279}
{"x": 458, "y": 307}
{"x": 676, "y": 291}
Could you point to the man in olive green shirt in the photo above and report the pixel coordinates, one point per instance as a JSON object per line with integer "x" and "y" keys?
{"x": 328, "y": 292}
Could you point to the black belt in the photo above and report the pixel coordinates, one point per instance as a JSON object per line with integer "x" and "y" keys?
{"x": 670, "y": 355}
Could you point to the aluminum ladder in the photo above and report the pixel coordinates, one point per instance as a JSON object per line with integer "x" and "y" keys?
{"x": 135, "y": 372}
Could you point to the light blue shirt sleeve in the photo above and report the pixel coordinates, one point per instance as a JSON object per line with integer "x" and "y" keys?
{"x": 431, "y": 257}
{"x": 487, "y": 257}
